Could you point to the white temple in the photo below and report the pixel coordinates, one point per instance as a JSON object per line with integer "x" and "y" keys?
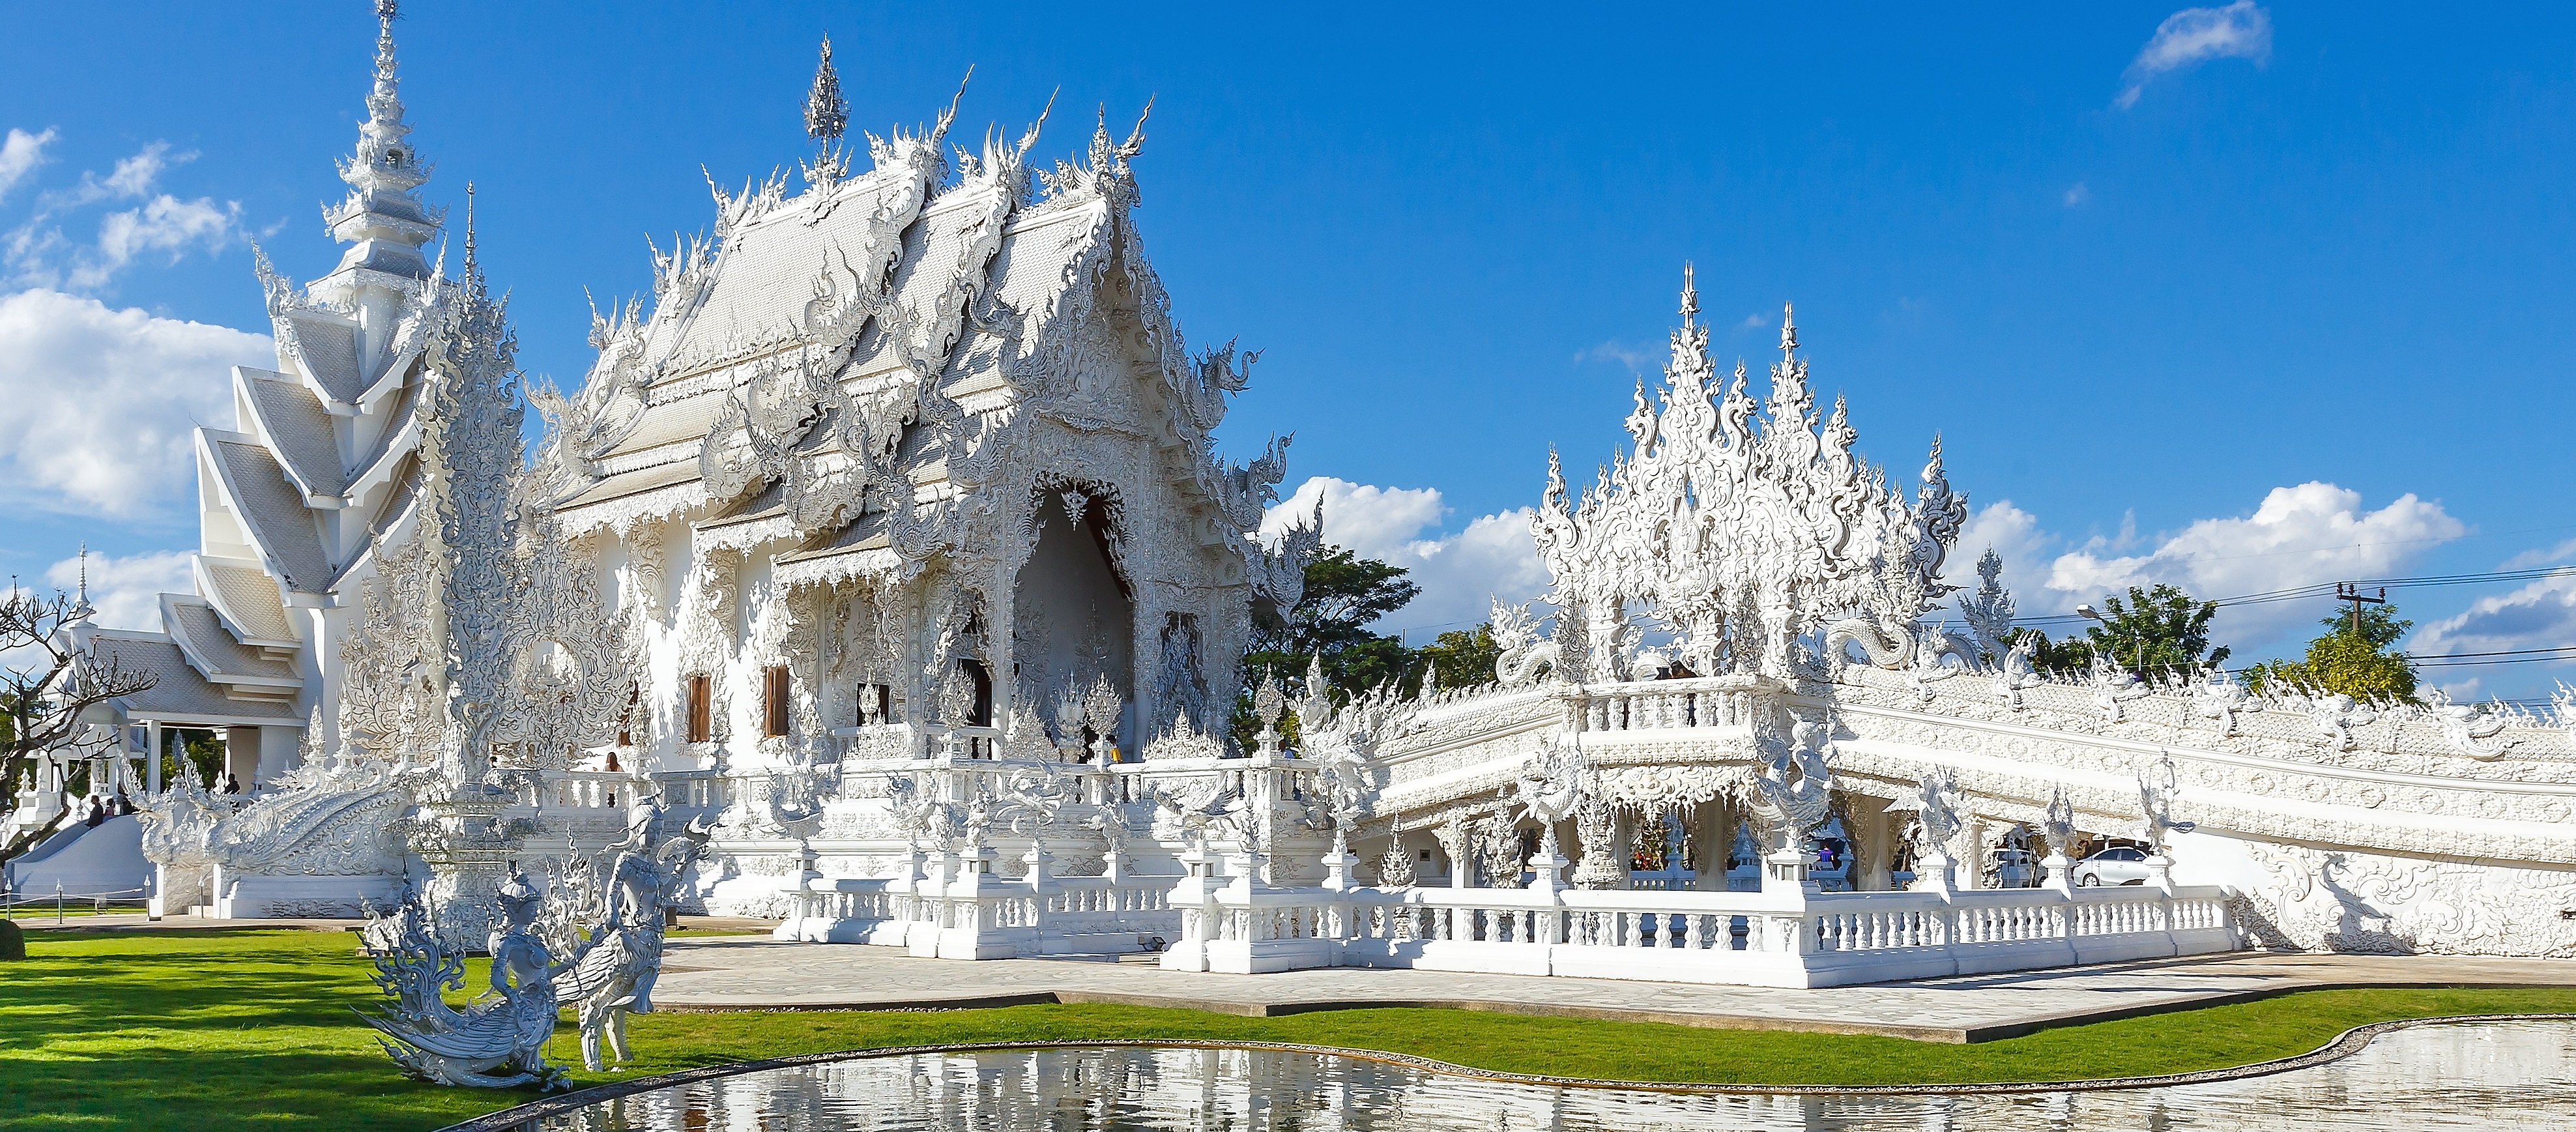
{"x": 893, "y": 541}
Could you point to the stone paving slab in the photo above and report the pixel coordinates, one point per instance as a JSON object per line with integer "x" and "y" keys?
{"x": 758, "y": 974}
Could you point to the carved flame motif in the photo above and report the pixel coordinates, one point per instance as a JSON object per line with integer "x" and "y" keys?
{"x": 1741, "y": 530}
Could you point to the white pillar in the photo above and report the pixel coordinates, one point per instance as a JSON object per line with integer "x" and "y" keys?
{"x": 1709, "y": 834}
{"x": 152, "y": 767}
{"x": 1880, "y": 865}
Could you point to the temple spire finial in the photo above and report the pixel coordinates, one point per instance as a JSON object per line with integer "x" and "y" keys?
{"x": 1690, "y": 297}
{"x": 383, "y": 214}
{"x": 827, "y": 114}
{"x": 81, "y": 608}
{"x": 1788, "y": 327}
{"x": 473, "y": 279}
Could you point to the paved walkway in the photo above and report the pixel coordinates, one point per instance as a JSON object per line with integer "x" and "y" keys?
{"x": 758, "y": 974}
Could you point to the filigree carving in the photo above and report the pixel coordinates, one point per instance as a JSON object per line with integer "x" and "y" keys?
{"x": 1742, "y": 533}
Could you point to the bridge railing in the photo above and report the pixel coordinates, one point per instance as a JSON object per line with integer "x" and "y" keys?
{"x": 1794, "y": 937}
{"x": 950, "y": 909}
{"x": 1787, "y": 934}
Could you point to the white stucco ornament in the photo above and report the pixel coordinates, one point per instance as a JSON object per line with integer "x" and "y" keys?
{"x": 498, "y": 1040}
{"x": 1794, "y": 791}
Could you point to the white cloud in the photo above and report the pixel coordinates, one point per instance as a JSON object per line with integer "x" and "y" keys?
{"x": 39, "y": 255}
{"x": 2195, "y": 35}
{"x": 167, "y": 224}
{"x": 101, "y": 402}
{"x": 1637, "y": 361}
{"x": 2538, "y": 615}
{"x": 2538, "y": 556}
{"x": 2077, "y": 195}
{"x": 126, "y": 591}
{"x": 20, "y": 153}
{"x": 1375, "y": 521}
{"x": 134, "y": 176}
{"x": 1460, "y": 573}
{"x": 2298, "y": 536}
{"x": 2014, "y": 535}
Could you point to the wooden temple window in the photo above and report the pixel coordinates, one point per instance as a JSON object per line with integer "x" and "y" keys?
{"x": 701, "y": 708}
{"x": 981, "y": 679}
{"x": 773, "y": 701}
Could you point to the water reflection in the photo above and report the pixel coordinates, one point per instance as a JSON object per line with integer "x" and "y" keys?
{"x": 2456, "y": 1076}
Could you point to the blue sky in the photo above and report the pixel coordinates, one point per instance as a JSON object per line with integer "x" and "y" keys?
{"x": 2157, "y": 277}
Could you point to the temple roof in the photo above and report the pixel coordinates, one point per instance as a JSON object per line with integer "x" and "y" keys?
{"x": 247, "y": 598}
{"x": 782, "y": 265}
{"x": 192, "y": 625}
{"x": 297, "y": 426}
{"x": 181, "y": 694}
{"x": 271, "y": 510}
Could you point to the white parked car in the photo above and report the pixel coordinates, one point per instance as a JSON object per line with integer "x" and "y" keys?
{"x": 2122, "y": 865}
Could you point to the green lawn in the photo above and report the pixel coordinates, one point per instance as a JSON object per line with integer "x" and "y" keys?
{"x": 251, "y": 1028}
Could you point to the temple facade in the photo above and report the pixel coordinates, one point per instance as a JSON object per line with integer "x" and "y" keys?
{"x": 889, "y": 542}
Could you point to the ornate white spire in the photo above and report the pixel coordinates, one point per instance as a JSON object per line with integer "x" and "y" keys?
{"x": 1788, "y": 327}
{"x": 81, "y": 609}
{"x": 383, "y": 214}
{"x": 1740, "y": 532}
{"x": 826, "y": 113}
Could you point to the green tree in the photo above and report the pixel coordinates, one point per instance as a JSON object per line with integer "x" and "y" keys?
{"x": 1345, "y": 594}
{"x": 1461, "y": 658}
{"x": 2356, "y": 660}
{"x": 2155, "y": 630}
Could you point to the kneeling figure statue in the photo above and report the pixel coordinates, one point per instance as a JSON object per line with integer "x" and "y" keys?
{"x": 497, "y": 1041}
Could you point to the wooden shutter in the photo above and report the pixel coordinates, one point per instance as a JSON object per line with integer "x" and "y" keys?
{"x": 774, "y": 702}
{"x": 701, "y": 709}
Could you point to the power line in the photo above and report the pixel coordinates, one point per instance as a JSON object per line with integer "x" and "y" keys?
{"x": 2502, "y": 652}
{"x": 2327, "y": 589}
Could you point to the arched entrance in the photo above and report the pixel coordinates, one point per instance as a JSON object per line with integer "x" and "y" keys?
{"x": 1073, "y": 611}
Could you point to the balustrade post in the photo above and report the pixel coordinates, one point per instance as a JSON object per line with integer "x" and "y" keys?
{"x": 2056, "y": 871}
{"x": 2160, "y": 874}
{"x": 1547, "y": 869}
{"x": 1195, "y": 897}
{"x": 1337, "y": 868}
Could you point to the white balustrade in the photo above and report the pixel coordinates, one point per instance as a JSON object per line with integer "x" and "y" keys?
{"x": 1654, "y": 705}
{"x": 1777, "y": 938}
{"x": 980, "y": 916}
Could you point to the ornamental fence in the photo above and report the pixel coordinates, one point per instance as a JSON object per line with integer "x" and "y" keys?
{"x": 957, "y": 909}
{"x": 1788, "y": 934}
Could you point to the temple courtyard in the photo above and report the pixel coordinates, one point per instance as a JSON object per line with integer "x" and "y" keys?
{"x": 191, "y": 1024}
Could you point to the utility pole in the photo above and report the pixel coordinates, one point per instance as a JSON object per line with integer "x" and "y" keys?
{"x": 2351, "y": 592}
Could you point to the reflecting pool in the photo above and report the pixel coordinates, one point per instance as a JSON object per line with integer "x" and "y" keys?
{"x": 2477, "y": 1075}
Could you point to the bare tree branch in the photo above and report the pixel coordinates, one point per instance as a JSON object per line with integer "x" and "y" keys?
{"x": 47, "y": 696}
